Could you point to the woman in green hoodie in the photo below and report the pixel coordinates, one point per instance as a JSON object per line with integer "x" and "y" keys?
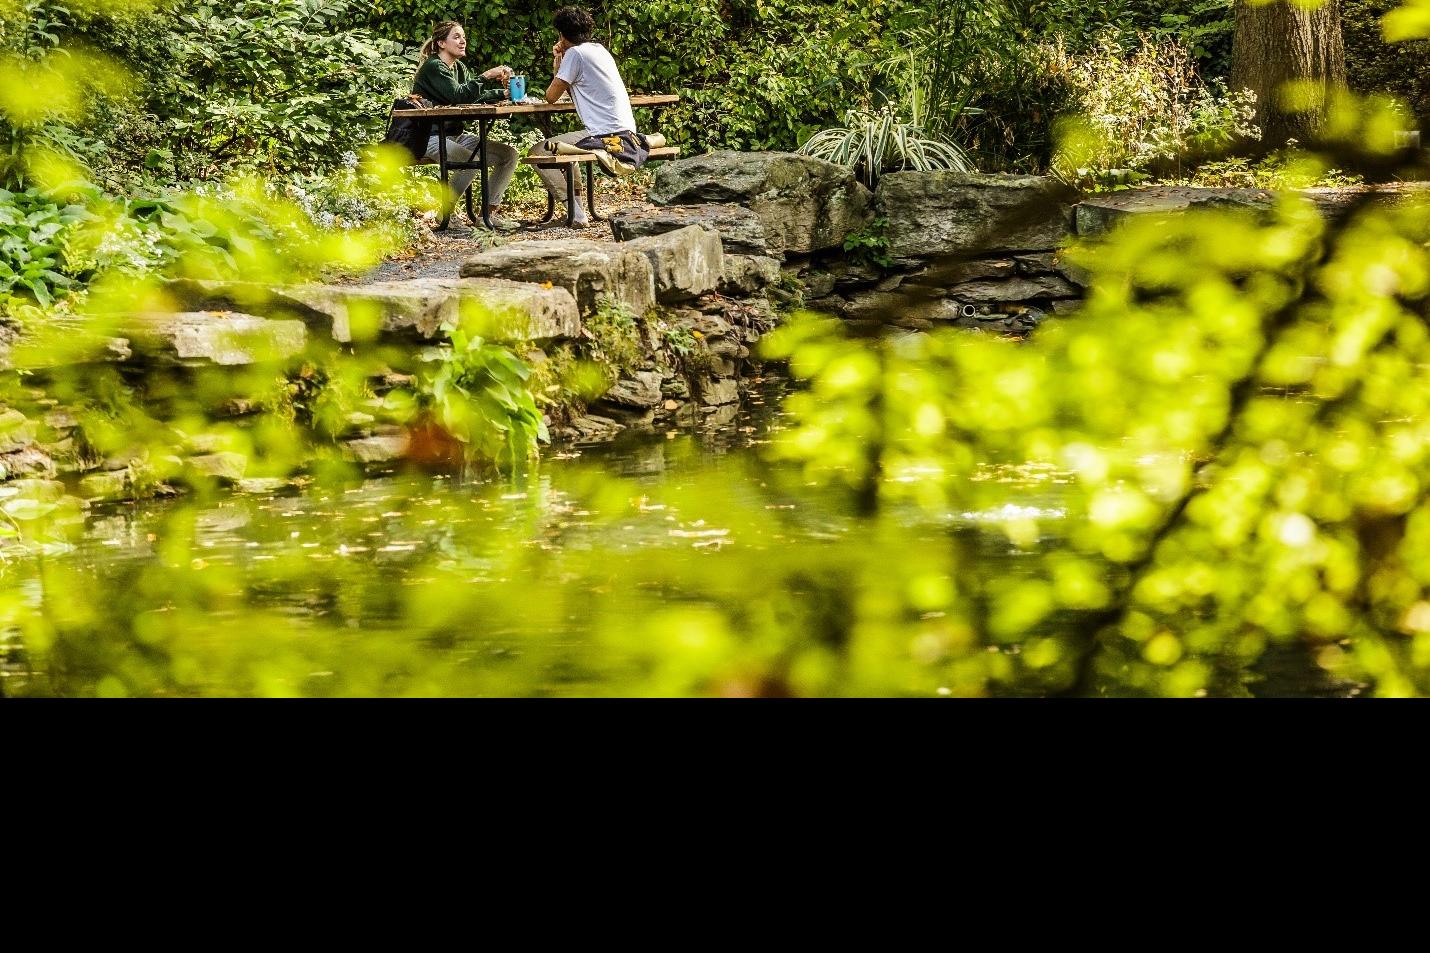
{"x": 445, "y": 81}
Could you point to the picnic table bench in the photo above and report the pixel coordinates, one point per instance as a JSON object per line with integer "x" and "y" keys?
{"x": 567, "y": 164}
{"x": 486, "y": 114}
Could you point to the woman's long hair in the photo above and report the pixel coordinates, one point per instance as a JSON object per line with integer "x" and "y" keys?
{"x": 439, "y": 33}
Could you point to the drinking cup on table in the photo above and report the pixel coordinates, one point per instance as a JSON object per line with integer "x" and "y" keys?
{"x": 517, "y": 87}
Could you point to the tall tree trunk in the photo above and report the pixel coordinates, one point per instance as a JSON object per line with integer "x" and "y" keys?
{"x": 1279, "y": 43}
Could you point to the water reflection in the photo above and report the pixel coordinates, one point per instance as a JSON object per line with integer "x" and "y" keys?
{"x": 702, "y": 568}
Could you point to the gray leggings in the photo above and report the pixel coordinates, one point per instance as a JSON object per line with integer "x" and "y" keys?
{"x": 501, "y": 165}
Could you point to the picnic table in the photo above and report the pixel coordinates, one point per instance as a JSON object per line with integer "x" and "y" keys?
{"x": 488, "y": 113}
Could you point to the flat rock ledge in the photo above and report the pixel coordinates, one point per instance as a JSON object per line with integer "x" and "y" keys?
{"x": 1096, "y": 214}
{"x": 197, "y": 338}
{"x": 588, "y": 270}
{"x": 188, "y": 338}
{"x": 666, "y": 267}
{"x": 412, "y": 310}
{"x": 749, "y": 265}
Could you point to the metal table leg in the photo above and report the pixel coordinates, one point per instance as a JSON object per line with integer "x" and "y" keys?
{"x": 442, "y": 173}
{"x": 543, "y": 122}
{"x": 483, "y": 125}
{"x": 570, "y": 195}
{"x": 591, "y": 191}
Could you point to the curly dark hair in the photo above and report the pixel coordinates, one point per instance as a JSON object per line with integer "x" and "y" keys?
{"x": 575, "y": 24}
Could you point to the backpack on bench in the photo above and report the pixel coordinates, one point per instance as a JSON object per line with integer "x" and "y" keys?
{"x": 411, "y": 134}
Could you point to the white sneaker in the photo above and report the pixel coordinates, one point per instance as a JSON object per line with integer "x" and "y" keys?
{"x": 582, "y": 220}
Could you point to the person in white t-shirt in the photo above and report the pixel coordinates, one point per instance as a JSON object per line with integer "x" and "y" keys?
{"x": 586, "y": 70}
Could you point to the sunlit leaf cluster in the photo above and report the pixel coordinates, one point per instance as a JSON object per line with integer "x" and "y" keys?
{"x": 1239, "y": 411}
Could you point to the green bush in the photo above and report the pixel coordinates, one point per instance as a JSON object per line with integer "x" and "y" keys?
{"x": 1146, "y": 112}
{"x": 1205, "y": 27}
{"x": 481, "y": 397}
{"x": 286, "y": 86}
{"x": 868, "y": 246}
{"x": 34, "y": 231}
{"x": 614, "y": 334}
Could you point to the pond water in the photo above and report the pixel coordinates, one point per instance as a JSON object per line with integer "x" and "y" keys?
{"x": 641, "y": 566}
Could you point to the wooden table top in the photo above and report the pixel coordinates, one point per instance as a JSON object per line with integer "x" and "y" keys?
{"x": 489, "y": 110}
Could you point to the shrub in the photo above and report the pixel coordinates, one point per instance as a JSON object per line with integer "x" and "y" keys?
{"x": 614, "y": 332}
{"x": 481, "y": 397}
{"x": 1146, "y": 112}
{"x": 34, "y": 232}
{"x": 868, "y": 246}
{"x": 284, "y": 86}
{"x": 1204, "y": 27}
{"x": 1284, "y": 169}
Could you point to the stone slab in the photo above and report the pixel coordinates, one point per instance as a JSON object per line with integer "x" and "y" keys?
{"x": 1096, "y": 214}
{"x": 747, "y": 274}
{"x": 1013, "y": 289}
{"x": 589, "y": 270}
{"x": 804, "y": 204}
{"x": 741, "y": 231}
{"x": 936, "y": 214}
{"x": 198, "y": 338}
{"x": 641, "y": 390}
{"x": 411, "y": 310}
{"x": 685, "y": 263}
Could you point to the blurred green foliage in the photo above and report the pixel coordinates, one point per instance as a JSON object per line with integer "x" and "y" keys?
{"x": 1241, "y": 407}
{"x": 70, "y": 241}
{"x": 1234, "y": 430}
{"x": 1402, "y": 69}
